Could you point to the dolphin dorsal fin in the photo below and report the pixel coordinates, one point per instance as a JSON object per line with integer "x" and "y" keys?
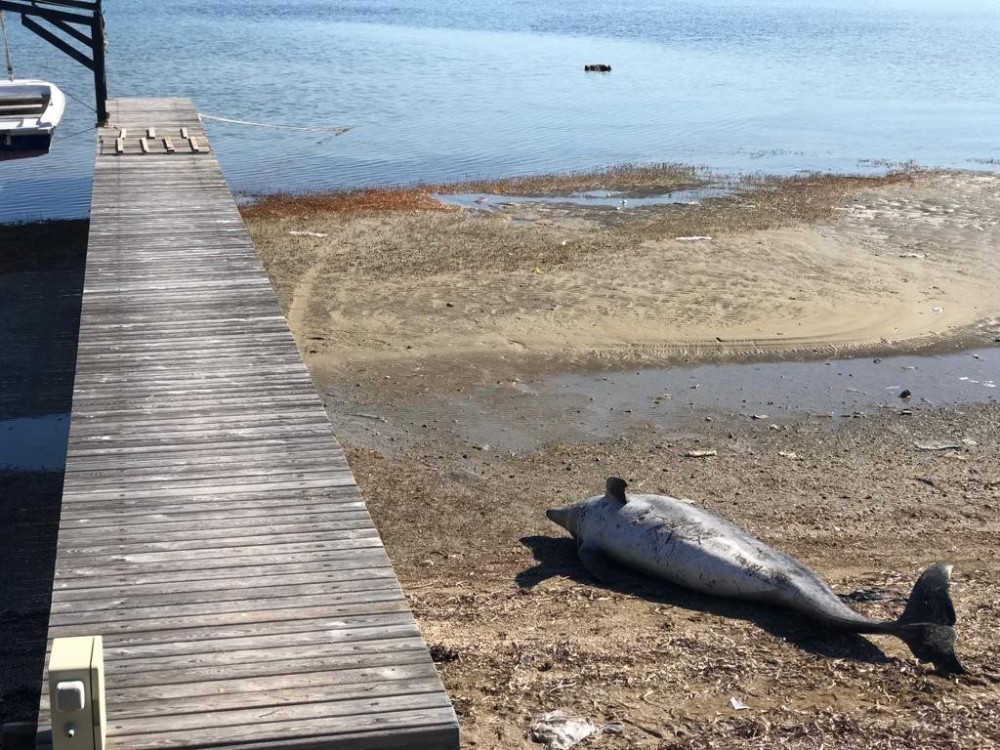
{"x": 615, "y": 489}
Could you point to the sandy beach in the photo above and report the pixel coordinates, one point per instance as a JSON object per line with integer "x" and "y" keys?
{"x": 426, "y": 329}
{"x": 796, "y": 266}
{"x": 434, "y": 335}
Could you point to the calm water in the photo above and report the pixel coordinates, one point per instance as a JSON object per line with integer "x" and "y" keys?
{"x": 440, "y": 90}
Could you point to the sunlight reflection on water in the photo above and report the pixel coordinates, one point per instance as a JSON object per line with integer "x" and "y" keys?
{"x": 440, "y": 91}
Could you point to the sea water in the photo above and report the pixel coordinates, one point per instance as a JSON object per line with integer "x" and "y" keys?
{"x": 442, "y": 90}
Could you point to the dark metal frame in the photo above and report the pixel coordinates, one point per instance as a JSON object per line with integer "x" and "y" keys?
{"x": 74, "y": 18}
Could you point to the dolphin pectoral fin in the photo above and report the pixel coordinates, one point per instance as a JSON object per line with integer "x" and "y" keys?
{"x": 598, "y": 564}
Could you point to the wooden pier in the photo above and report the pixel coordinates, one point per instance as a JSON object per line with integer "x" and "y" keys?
{"x": 211, "y": 530}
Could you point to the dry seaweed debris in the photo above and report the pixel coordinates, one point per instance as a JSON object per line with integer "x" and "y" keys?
{"x": 669, "y": 679}
{"x": 758, "y": 201}
{"x": 349, "y": 201}
{"x": 628, "y": 179}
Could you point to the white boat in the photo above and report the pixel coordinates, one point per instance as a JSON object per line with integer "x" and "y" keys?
{"x": 29, "y": 113}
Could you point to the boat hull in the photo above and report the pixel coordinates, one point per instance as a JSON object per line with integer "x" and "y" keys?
{"x": 29, "y": 113}
{"x": 24, "y": 146}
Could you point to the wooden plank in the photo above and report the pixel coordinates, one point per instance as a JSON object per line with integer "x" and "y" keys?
{"x": 362, "y": 614}
{"x": 388, "y": 627}
{"x": 211, "y": 638}
{"x": 96, "y": 576}
{"x": 211, "y": 529}
{"x": 331, "y": 660}
{"x": 307, "y": 455}
{"x": 315, "y": 687}
{"x": 221, "y": 525}
{"x": 84, "y": 567}
{"x": 231, "y": 588}
{"x": 235, "y": 693}
{"x": 194, "y": 509}
{"x": 348, "y": 603}
{"x": 124, "y": 598}
{"x": 224, "y": 487}
{"x": 160, "y": 727}
{"x": 209, "y": 554}
{"x": 200, "y": 615}
{"x": 197, "y": 502}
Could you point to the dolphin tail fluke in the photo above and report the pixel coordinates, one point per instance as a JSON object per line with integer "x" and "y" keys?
{"x": 926, "y": 623}
{"x": 934, "y": 644}
{"x": 930, "y": 601}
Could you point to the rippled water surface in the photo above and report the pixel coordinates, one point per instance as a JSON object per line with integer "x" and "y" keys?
{"x": 440, "y": 90}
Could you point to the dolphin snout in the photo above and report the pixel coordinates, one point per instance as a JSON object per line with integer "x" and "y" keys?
{"x": 560, "y": 516}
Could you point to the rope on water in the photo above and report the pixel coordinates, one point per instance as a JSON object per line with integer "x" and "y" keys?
{"x": 334, "y": 130}
{"x": 79, "y": 101}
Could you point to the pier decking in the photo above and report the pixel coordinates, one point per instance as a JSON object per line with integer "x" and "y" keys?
{"x": 211, "y": 529}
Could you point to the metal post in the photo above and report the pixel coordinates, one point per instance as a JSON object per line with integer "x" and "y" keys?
{"x": 100, "y": 75}
{"x": 61, "y": 15}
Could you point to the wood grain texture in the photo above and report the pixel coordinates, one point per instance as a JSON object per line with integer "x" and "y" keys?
{"x": 211, "y": 530}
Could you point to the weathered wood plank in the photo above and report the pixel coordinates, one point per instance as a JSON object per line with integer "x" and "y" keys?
{"x": 343, "y": 563}
{"x": 209, "y": 638}
{"x": 370, "y": 602}
{"x": 167, "y": 616}
{"x": 163, "y": 727}
{"x": 229, "y": 588}
{"x": 223, "y": 487}
{"x": 290, "y": 593}
{"x": 363, "y": 654}
{"x": 391, "y": 627}
{"x": 212, "y": 526}
{"x": 400, "y": 729}
{"x": 316, "y": 687}
{"x": 195, "y": 508}
{"x": 283, "y": 689}
{"x": 207, "y": 554}
{"x": 89, "y": 567}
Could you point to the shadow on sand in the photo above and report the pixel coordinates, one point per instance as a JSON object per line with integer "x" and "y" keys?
{"x": 556, "y": 556}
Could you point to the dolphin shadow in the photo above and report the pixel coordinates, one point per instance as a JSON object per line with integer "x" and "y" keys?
{"x": 557, "y": 556}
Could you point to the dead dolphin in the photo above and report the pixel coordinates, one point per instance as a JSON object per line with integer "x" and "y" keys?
{"x": 688, "y": 546}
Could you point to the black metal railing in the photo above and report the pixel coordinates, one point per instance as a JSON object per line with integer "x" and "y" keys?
{"x": 63, "y": 22}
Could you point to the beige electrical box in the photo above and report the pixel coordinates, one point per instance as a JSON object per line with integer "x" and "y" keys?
{"x": 76, "y": 693}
